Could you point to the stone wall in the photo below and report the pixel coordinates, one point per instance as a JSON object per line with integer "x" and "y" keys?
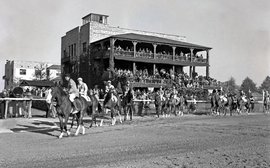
{"x": 100, "y": 31}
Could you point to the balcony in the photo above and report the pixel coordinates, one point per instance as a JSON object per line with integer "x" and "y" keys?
{"x": 124, "y": 53}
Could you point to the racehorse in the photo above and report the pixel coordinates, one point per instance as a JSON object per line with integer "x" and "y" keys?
{"x": 158, "y": 104}
{"x": 243, "y": 104}
{"x": 266, "y": 104}
{"x": 182, "y": 104}
{"x": 127, "y": 105}
{"x": 232, "y": 104}
{"x": 162, "y": 105}
{"x": 215, "y": 103}
{"x": 94, "y": 107}
{"x": 112, "y": 102}
{"x": 64, "y": 107}
{"x": 175, "y": 103}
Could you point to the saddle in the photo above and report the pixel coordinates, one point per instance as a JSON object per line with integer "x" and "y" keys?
{"x": 244, "y": 99}
{"x": 87, "y": 98}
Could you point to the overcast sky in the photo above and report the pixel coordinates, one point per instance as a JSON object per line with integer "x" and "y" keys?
{"x": 237, "y": 30}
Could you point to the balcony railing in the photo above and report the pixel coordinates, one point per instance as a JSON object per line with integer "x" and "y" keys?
{"x": 147, "y": 55}
{"x": 124, "y": 53}
{"x": 164, "y": 56}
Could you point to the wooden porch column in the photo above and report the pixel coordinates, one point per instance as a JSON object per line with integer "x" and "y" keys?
{"x": 190, "y": 71}
{"x": 29, "y": 109}
{"x": 173, "y": 52}
{"x": 134, "y": 67}
{"x": 191, "y": 54}
{"x": 6, "y": 108}
{"x": 134, "y": 48}
{"x": 111, "y": 63}
{"x": 173, "y": 68}
{"x": 194, "y": 69}
{"x": 207, "y": 61}
{"x": 155, "y": 50}
{"x": 154, "y": 68}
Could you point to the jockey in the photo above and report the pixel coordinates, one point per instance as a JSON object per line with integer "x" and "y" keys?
{"x": 174, "y": 92}
{"x": 127, "y": 88}
{"x": 72, "y": 91}
{"x": 109, "y": 86}
{"x": 83, "y": 89}
{"x": 161, "y": 93}
{"x": 243, "y": 96}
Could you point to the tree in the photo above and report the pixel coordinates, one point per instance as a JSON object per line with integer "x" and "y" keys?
{"x": 40, "y": 72}
{"x": 266, "y": 84}
{"x": 230, "y": 84}
{"x": 248, "y": 84}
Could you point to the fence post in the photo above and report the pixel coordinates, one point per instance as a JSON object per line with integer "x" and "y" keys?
{"x": 29, "y": 108}
{"x": 6, "y": 108}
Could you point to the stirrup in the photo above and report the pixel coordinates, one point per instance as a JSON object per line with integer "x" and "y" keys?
{"x": 74, "y": 111}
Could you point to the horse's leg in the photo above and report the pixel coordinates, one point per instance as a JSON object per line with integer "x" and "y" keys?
{"x": 131, "y": 112}
{"x": 72, "y": 122}
{"x": 157, "y": 113}
{"x": 81, "y": 121}
{"x": 119, "y": 114}
{"x": 65, "y": 125}
{"x": 61, "y": 126}
{"x": 78, "y": 123}
{"x": 113, "y": 116}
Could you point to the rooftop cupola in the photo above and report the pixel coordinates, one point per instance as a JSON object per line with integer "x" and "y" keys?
{"x": 93, "y": 17}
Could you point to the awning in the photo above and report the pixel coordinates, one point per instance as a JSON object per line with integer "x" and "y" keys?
{"x": 42, "y": 83}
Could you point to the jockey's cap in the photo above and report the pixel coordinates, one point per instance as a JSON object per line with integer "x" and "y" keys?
{"x": 109, "y": 81}
{"x": 80, "y": 79}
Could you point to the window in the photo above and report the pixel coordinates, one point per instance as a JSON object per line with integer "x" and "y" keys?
{"x": 84, "y": 47}
{"x": 74, "y": 47}
{"x": 22, "y": 71}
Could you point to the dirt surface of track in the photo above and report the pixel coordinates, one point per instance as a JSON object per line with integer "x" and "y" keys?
{"x": 191, "y": 141}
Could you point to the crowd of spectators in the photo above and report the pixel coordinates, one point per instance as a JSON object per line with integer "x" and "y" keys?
{"x": 182, "y": 80}
{"x": 163, "y": 55}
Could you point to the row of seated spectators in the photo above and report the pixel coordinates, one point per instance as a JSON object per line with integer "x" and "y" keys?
{"x": 180, "y": 79}
{"x": 147, "y": 53}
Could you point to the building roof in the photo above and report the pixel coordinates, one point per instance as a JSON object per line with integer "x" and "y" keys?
{"x": 54, "y": 67}
{"x": 155, "y": 39}
{"x": 43, "y": 83}
{"x": 94, "y": 14}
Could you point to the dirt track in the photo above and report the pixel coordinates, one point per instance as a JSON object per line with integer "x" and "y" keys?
{"x": 191, "y": 141}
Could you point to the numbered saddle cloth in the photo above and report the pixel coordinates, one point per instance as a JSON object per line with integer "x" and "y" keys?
{"x": 114, "y": 98}
{"x": 87, "y": 98}
{"x": 244, "y": 99}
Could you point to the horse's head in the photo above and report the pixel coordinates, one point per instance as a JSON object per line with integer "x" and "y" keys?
{"x": 55, "y": 93}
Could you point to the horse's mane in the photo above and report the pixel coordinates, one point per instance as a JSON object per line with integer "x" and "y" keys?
{"x": 61, "y": 91}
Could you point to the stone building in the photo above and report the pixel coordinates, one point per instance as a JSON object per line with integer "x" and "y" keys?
{"x": 89, "y": 51}
{"x": 16, "y": 71}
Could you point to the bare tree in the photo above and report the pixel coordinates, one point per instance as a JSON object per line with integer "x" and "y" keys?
{"x": 41, "y": 72}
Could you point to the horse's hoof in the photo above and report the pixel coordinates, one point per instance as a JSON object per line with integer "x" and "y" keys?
{"x": 68, "y": 133}
{"x": 61, "y": 136}
{"x": 83, "y": 131}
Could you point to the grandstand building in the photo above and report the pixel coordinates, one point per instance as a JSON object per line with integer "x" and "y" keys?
{"x": 96, "y": 50}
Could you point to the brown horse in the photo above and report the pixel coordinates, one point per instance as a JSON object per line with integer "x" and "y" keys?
{"x": 64, "y": 108}
{"x": 112, "y": 102}
{"x": 127, "y": 105}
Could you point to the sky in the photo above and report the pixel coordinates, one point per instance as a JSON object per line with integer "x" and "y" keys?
{"x": 237, "y": 30}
